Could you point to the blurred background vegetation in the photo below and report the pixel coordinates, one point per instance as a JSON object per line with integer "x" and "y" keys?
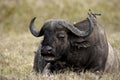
{"x": 15, "y": 15}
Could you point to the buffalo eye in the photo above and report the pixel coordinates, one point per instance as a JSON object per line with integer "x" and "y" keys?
{"x": 61, "y": 36}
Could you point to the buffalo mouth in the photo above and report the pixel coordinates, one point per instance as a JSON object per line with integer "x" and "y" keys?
{"x": 49, "y": 57}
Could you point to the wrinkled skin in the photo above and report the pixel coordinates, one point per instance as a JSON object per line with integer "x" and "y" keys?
{"x": 70, "y": 51}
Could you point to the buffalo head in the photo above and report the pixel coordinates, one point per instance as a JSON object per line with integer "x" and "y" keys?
{"x": 56, "y": 37}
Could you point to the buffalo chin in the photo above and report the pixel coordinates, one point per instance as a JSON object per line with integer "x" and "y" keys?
{"x": 49, "y": 57}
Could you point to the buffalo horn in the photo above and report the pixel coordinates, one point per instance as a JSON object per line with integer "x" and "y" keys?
{"x": 32, "y": 29}
{"x": 78, "y": 32}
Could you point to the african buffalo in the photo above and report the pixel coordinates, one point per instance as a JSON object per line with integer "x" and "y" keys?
{"x": 82, "y": 46}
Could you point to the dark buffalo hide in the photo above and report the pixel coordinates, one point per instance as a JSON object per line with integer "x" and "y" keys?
{"x": 81, "y": 47}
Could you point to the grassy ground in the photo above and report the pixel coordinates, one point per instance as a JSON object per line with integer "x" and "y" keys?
{"x": 17, "y": 44}
{"x": 16, "y": 60}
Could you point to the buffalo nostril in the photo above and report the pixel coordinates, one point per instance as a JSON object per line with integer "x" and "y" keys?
{"x": 49, "y": 51}
{"x": 46, "y": 49}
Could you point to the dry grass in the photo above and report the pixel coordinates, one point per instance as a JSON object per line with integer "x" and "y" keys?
{"x": 17, "y": 44}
